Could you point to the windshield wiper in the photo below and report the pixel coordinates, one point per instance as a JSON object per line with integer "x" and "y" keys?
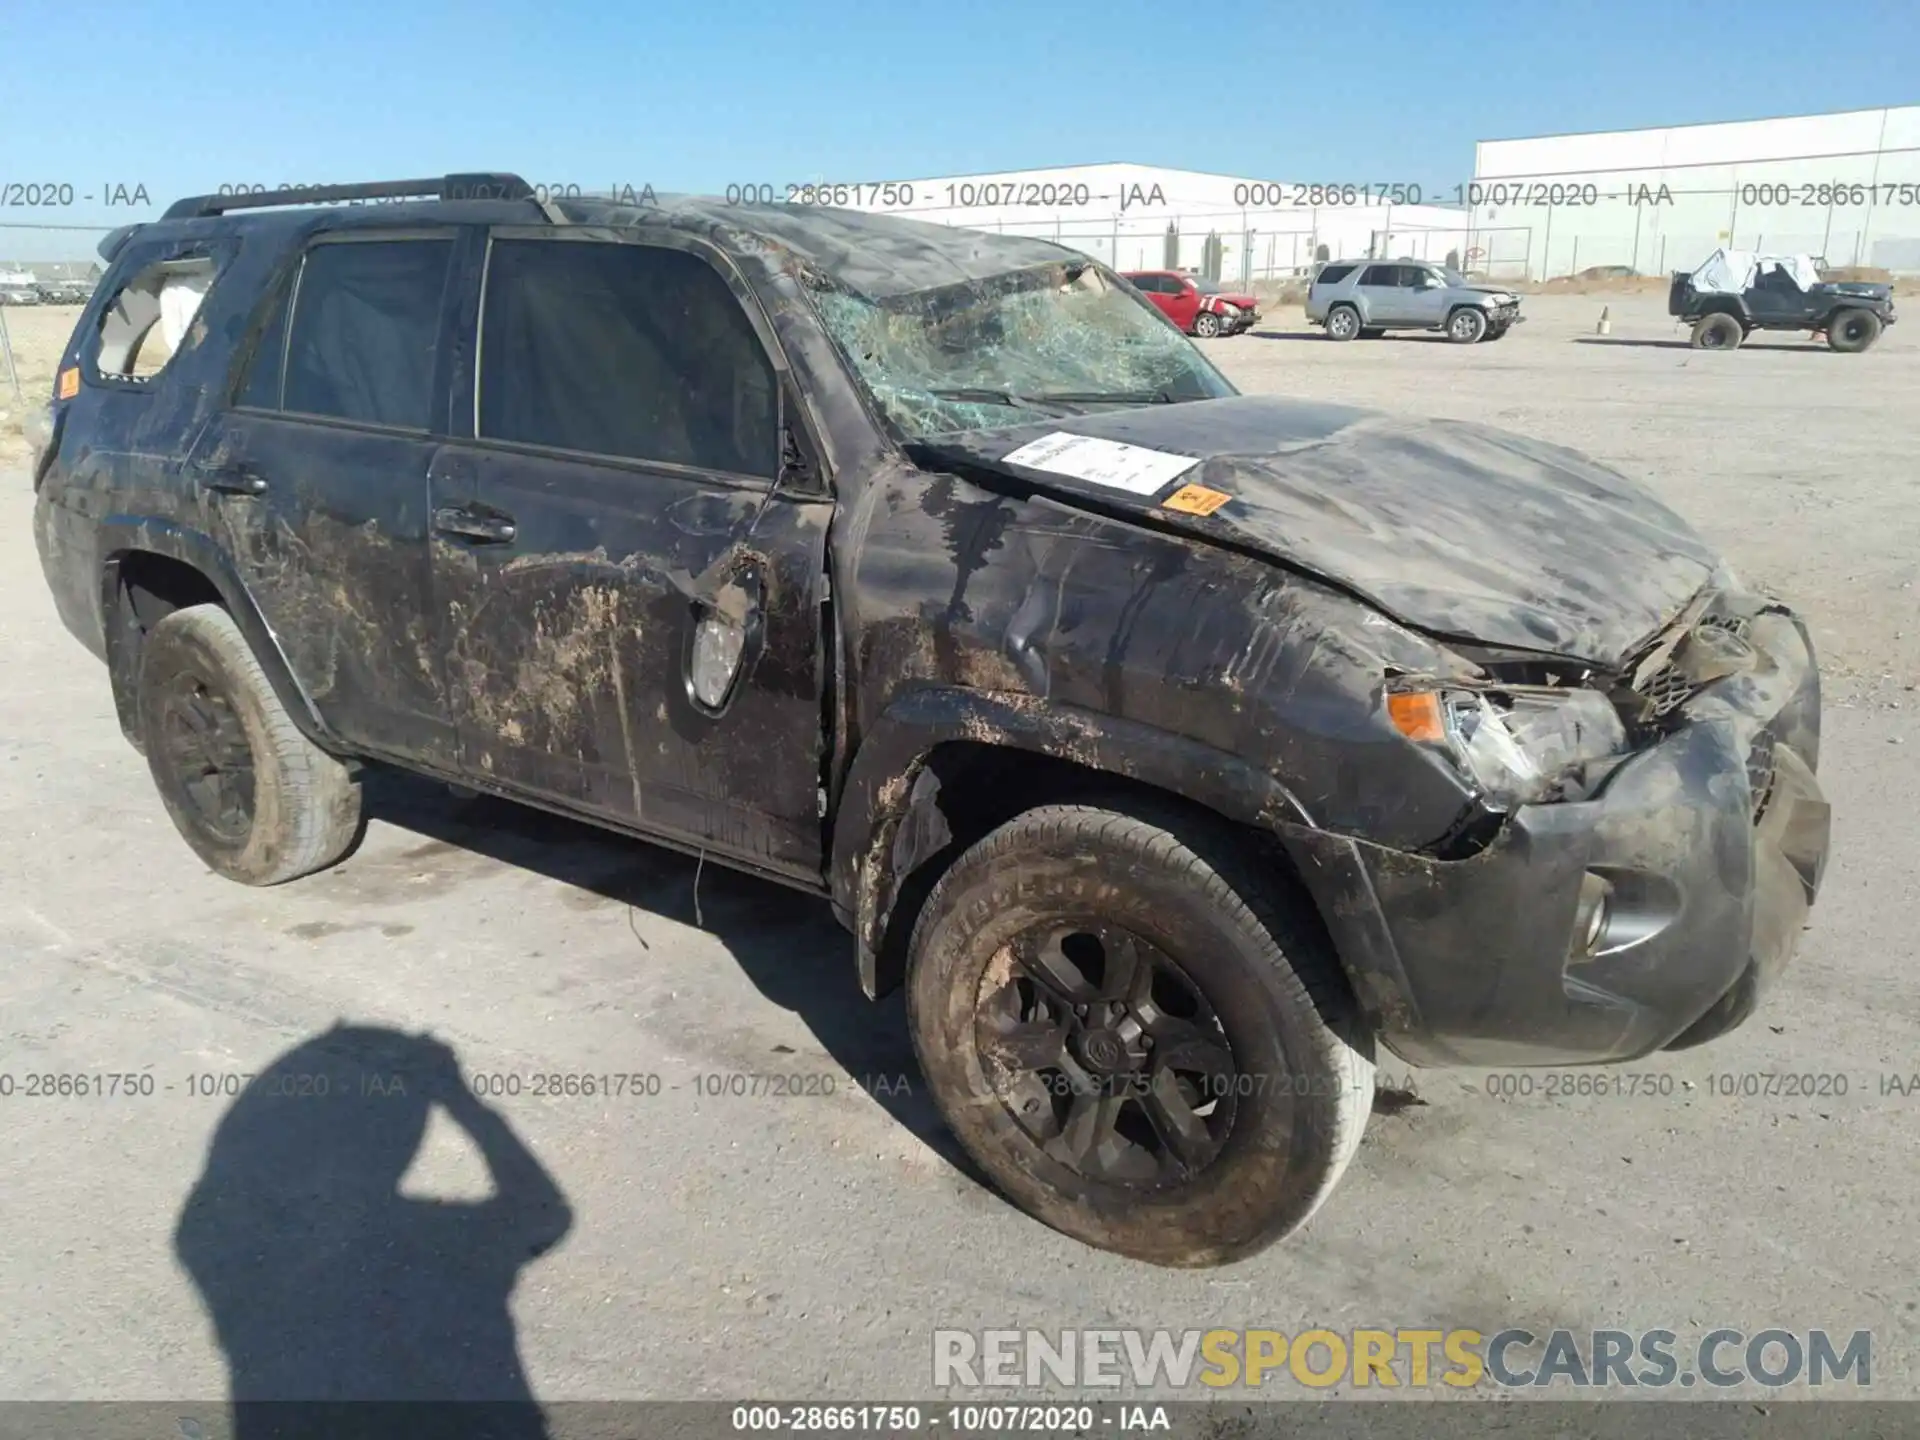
{"x": 1100, "y": 397}
{"x": 977, "y": 395}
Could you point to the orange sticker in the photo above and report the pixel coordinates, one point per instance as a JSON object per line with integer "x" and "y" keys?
{"x": 69, "y": 383}
{"x": 1196, "y": 500}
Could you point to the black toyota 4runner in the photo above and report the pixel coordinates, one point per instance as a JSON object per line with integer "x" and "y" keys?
{"x": 1173, "y": 747}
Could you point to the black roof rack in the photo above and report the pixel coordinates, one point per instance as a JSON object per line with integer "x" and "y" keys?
{"x": 478, "y": 186}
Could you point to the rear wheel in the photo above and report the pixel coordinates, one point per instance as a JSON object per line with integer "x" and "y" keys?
{"x": 1466, "y": 325}
{"x": 1206, "y": 325}
{"x": 257, "y": 800}
{"x": 1343, "y": 322}
{"x": 1718, "y": 331}
{"x": 1852, "y": 331}
{"x": 1144, "y": 1041}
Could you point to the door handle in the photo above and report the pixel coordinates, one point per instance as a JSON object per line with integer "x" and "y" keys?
{"x": 234, "y": 479}
{"x": 471, "y": 525}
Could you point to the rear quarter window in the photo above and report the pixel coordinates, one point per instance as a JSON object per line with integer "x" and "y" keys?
{"x": 1334, "y": 274}
{"x": 147, "y": 317}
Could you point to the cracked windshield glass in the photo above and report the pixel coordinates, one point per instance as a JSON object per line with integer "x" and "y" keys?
{"x": 1049, "y": 340}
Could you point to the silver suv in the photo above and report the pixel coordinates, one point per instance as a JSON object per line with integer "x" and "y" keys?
{"x": 1368, "y": 297}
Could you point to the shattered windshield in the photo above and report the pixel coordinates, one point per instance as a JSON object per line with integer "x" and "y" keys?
{"x": 1047, "y": 340}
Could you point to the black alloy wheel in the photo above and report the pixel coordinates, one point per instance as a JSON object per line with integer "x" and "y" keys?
{"x": 202, "y": 745}
{"x": 1107, "y": 1054}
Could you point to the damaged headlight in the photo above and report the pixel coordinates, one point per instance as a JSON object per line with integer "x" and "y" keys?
{"x": 1515, "y": 747}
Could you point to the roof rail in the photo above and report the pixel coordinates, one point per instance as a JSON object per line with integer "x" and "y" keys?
{"x": 478, "y": 186}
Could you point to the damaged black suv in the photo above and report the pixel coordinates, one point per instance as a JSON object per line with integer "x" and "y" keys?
{"x": 1175, "y": 748}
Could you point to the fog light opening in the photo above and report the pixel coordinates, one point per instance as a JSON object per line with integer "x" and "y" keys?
{"x": 1597, "y": 926}
{"x": 1592, "y": 917}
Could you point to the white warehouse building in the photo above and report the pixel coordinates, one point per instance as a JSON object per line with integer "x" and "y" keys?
{"x": 1843, "y": 186}
{"x": 1143, "y": 217}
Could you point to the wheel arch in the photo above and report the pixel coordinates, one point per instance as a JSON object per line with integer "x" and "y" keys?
{"x": 150, "y": 568}
{"x": 944, "y": 765}
{"x": 1725, "y": 305}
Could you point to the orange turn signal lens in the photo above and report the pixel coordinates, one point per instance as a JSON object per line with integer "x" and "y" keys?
{"x": 1416, "y": 715}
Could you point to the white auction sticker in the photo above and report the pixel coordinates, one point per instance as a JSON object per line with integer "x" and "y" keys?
{"x": 1117, "y": 466}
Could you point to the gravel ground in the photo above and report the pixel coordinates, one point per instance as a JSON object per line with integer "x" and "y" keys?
{"x": 806, "y": 1246}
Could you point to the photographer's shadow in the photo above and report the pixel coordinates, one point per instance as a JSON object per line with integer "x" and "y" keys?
{"x": 326, "y": 1284}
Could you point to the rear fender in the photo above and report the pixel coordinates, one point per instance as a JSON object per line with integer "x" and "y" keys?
{"x": 123, "y": 536}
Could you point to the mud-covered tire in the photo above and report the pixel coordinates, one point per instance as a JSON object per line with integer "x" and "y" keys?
{"x": 1466, "y": 325}
{"x": 1206, "y": 325}
{"x": 1343, "y": 322}
{"x": 213, "y": 732}
{"x": 1851, "y": 331}
{"x": 1253, "y": 949}
{"x": 1718, "y": 331}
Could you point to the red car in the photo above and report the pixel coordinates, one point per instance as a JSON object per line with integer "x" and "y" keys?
{"x": 1197, "y": 306}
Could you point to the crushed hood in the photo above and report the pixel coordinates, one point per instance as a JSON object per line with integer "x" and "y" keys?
{"x": 1457, "y": 529}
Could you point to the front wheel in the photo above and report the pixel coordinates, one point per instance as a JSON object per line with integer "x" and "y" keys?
{"x": 1206, "y": 325}
{"x": 1466, "y": 325}
{"x": 258, "y": 801}
{"x": 1144, "y": 1040}
{"x": 1851, "y": 331}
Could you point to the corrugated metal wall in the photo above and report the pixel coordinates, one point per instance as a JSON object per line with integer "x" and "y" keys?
{"x": 1845, "y": 186}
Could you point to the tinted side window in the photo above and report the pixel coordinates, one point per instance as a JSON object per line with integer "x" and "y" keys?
{"x": 1147, "y": 284}
{"x": 1333, "y": 274}
{"x": 1381, "y": 275}
{"x": 366, "y": 326}
{"x": 633, "y": 351}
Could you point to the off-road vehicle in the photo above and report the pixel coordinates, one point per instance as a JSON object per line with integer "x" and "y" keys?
{"x": 1367, "y": 298}
{"x": 1174, "y": 747}
{"x": 1737, "y": 292}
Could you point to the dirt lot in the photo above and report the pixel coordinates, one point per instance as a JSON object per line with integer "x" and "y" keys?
{"x": 806, "y": 1246}
{"x": 38, "y": 333}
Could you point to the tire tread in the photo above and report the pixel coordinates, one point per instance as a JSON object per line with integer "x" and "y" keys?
{"x": 1291, "y": 938}
{"x": 314, "y": 797}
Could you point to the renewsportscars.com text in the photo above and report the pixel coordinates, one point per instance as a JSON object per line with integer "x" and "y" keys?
{"x": 1411, "y": 1358}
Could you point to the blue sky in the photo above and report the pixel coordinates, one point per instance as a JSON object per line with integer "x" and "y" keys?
{"x": 180, "y": 98}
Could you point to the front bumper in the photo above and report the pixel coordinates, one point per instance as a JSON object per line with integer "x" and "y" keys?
{"x": 1713, "y": 839}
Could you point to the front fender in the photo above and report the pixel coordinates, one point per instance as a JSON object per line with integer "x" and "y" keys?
{"x": 123, "y": 536}
{"x": 888, "y": 820}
